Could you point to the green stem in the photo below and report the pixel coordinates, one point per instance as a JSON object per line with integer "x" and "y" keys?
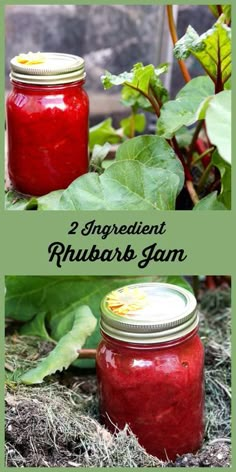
{"x": 156, "y": 98}
{"x": 192, "y": 192}
{"x": 207, "y": 151}
{"x": 204, "y": 177}
{"x": 132, "y": 125}
{"x": 154, "y": 101}
{"x": 150, "y": 97}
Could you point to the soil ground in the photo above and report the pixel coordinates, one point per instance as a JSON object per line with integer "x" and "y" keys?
{"x": 57, "y": 423}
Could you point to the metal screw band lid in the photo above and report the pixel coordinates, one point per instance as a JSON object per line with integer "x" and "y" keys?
{"x": 47, "y": 68}
{"x": 149, "y": 313}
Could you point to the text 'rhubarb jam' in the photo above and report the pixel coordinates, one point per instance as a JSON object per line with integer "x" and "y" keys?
{"x": 47, "y": 122}
{"x": 150, "y": 367}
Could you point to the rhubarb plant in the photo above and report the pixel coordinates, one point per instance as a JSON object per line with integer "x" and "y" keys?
{"x": 64, "y": 310}
{"x": 189, "y": 156}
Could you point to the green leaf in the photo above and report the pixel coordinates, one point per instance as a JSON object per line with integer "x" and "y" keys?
{"x": 60, "y": 297}
{"x": 142, "y": 76}
{"x": 211, "y": 202}
{"x": 139, "y": 77}
{"x": 15, "y": 201}
{"x": 212, "y": 49}
{"x": 201, "y": 112}
{"x": 51, "y": 200}
{"x": 107, "y": 163}
{"x": 134, "y": 122}
{"x": 228, "y": 85}
{"x": 152, "y": 151}
{"x": 98, "y": 156}
{"x": 103, "y": 133}
{"x": 36, "y": 327}
{"x": 66, "y": 351}
{"x": 184, "y": 136}
{"x": 100, "y": 152}
{"x": 137, "y": 85}
{"x": 225, "y": 172}
{"x": 108, "y": 79}
{"x": 218, "y": 123}
{"x": 134, "y": 99}
{"x": 125, "y": 185}
{"x": 146, "y": 175}
{"x": 160, "y": 92}
{"x": 183, "y": 111}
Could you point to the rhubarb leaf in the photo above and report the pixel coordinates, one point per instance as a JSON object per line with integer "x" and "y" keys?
{"x": 183, "y": 111}
{"x": 60, "y": 298}
{"x": 212, "y": 49}
{"x": 36, "y": 327}
{"x": 125, "y": 185}
{"x": 137, "y": 85}
{"x": 225, "y": 172}
{"x": 153, "y": 151}
{"x": 66, "y": 351}
{"x": 184, "y": 136}
{"x": 210, "y": 202}
{"x": 51, "y": 200}
{"x": 15, "y": 201}
{"x": 103, "y": 133}
{"x": 146, "y": 175}
{"x": 98, "y": 155}
{"x": 139, "y": 77}
{"x": 134, "y": 99}
{"x": 218, "y": 123}
{"x": 57, "y": 301}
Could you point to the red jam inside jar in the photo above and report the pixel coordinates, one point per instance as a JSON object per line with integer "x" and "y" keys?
{"x": 47, "y": 123}
{"x": 157, "y": 387}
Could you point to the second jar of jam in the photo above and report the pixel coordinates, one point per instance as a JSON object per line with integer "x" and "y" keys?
{"x": 150, "y": 367}
{"x": 47, "y": 122}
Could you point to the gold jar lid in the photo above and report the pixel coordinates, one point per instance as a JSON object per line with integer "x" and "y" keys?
{"x": 149, "y": 313}
{"x": 47, "y": 68}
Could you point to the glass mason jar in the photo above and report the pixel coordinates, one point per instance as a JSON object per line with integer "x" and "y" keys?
{"x": 150, "y": 367}
{"x": 47, "y": 122}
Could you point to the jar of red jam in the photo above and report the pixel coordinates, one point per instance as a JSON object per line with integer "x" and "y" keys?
{"x": 150, "y": 367}
{"x": 47, "y": 122}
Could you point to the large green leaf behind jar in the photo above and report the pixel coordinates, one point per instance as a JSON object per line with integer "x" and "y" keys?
{"x": 49, "y": 306}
